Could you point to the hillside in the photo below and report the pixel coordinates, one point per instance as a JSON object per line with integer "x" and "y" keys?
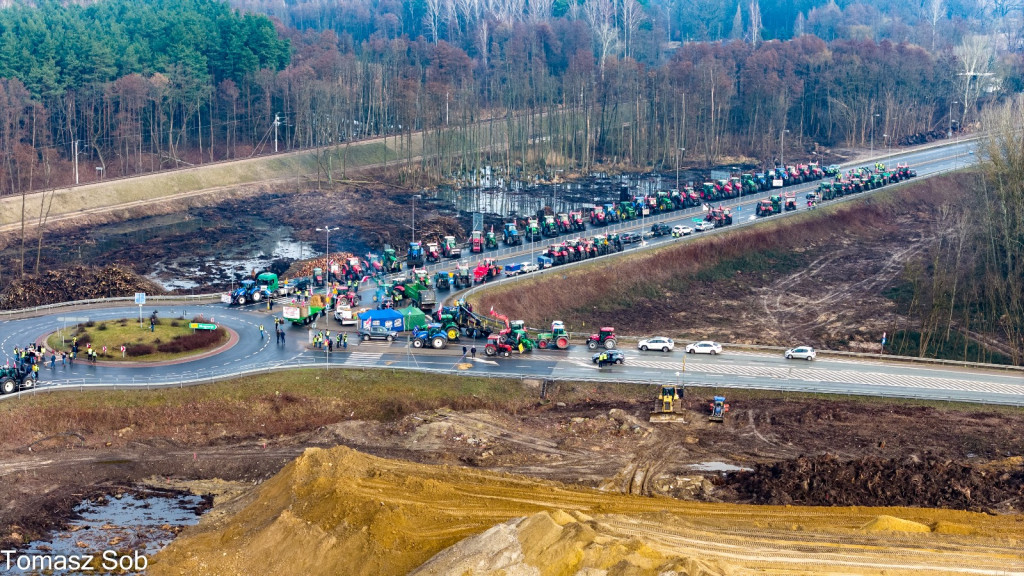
{"x": 837, "y": 278}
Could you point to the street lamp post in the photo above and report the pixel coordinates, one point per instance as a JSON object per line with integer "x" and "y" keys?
{"x": 950, "y": 133}
{"x": 414, "y": 198}
{"x": 328, "y": 230}
{"x": 888, "y": 148}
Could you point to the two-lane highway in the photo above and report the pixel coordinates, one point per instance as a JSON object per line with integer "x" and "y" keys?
{"x": 733, "y": 369}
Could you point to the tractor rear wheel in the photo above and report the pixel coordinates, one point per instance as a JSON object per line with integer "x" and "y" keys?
{"x": 490, "y": 350}
{"x": 609, "y": 344}
{"x": 562, "y": 343}
{"x": 7, "y": 386}
{"x": 453, "y": 333}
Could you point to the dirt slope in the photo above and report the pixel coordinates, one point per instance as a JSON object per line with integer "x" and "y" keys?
{"x": 339, "y": 511}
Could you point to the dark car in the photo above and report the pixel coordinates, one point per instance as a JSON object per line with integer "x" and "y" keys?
{"x": 661, "y": 229}
{"x": 613, "y": 357}
{"x": 629, "y": 237}
{"x": 377, "y": 333}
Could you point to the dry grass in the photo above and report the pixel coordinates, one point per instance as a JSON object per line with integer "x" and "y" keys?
{"x": 657, "y": 282}
{"x": 262, "y": 406}
{"x": 225, "y": 175}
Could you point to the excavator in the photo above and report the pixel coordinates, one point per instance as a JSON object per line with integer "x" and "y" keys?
{"x": 666, "y": 406}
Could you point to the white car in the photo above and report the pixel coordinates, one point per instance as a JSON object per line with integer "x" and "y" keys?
{"x": 528, "y": 267}
{"x": 704, "y": 347}
{"x": 662, "y": 343}
{"x": 681, "y": 231}
{"x": 704, "y": 225}
{"x": 805, "y": 352}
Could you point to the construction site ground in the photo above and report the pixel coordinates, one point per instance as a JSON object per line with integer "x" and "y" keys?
{"x": 800, "y": 451}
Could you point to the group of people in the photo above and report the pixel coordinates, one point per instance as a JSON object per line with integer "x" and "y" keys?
{"x": 322, "y": 340}
{"x": 31, "y": 358}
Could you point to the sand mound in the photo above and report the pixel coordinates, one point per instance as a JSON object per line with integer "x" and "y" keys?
{"x": 339, "y": 511}
{"x": 893, "y": 524}
{"x": 943, "y": 527}
{"x": 556, "y": 543}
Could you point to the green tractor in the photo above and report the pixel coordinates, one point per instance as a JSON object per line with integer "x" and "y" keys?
{"x": 628, "y": 211}
{"x": 391, "y": 262}
{"x": 448, "y": 324}
{"x": 462, "y": 278}
{"x": 558, "y": 338}
{"x": 750, "y": 185}
{"x": 491, "y": 241}
{"x": 518, "y": 337}
{"x": 776, "y": 204}
{"x": 12, "y": 378}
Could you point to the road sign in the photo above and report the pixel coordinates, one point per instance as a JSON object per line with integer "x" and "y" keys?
{"x": 202, "y": 326}
{"x": 140, "y": 298}
{"x": 72, "y": 319}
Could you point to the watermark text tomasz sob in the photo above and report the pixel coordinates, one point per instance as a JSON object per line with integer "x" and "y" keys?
{"x": 107, "y": 561}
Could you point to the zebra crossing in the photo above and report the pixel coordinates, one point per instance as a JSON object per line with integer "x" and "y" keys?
{"x": 363, "y": 358}
{"x": 810, "y": 374}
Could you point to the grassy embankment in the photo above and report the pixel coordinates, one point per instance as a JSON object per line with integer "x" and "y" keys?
{"x": 169, "y": 340}
{"x": 295, "y": 401}
{"x": 143, "y": 194}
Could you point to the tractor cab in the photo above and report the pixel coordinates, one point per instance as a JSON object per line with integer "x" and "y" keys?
{"x": 491, "y": 241}
{"x": 496, "y": 345}
{"x": 511, "y": 234}
{"x": 476, "y": 242}
{"x": 718, "y": 409}
{"x": 764, "y": 207}
{"x": 451, "y": 248}
{"x": 433, "y": 252}
{"x": 563, "y": 222}
{"x": 604, "y": 337}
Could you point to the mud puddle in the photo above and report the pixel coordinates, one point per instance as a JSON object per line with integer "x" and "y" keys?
{"x": 117, "y": 533}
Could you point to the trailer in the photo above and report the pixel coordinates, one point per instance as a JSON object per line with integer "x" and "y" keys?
{"x": 303, "y": 314}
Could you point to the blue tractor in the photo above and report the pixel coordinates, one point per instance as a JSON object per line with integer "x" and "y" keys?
{"x": 511, "y": 236}
{"x": 432, "y": 334}
{"x": 248, "y": 292}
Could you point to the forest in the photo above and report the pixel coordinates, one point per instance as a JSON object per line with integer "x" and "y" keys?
{"x": 114, "y": 88}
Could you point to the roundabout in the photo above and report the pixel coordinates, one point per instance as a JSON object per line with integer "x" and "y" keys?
{"x": 127, "y": 340}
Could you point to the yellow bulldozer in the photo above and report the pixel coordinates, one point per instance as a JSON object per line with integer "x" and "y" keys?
{"x": 666, "y": 406}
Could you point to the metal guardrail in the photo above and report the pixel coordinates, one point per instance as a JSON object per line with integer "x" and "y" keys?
{"x": 689, "y": 380}
{"x": 106, "y": 302}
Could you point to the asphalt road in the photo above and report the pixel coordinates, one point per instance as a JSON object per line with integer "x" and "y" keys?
{"x": 733, "y": 369}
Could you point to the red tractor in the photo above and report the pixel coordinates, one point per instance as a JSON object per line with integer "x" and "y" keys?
{"x": 597, "y": 216}
{"x": 564, "y": 223}
{"x": 557, "y": 253}
{"x": 764, "y": 208}
{"x": 485, "y": 271}
{"x": 604, "y": 337}
{"x": 576, "y": 217}
{"x": 433, "y": 253}
{"x": 496, "y": 345}
{"x": 476, "y": 242}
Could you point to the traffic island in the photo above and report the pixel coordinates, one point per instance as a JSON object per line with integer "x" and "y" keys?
{"x": 152, "y": 341}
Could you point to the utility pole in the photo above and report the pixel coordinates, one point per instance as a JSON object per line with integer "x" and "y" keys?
{"x": 74, "y": 152}
{"x": 277, "y": 122}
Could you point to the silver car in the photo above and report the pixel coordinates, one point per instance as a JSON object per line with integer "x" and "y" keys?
{"x": 803, "y": 352}
{"x": 704, "y": 347}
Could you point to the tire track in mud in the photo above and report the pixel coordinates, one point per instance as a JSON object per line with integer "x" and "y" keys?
{"x": 783, "y": 302}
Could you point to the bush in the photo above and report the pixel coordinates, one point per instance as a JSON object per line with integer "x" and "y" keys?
{"x": 90, "y": 324}
{"x": 102, "y": 326}
{"x": 83, "y": 338}
{"x": 174, "y": 324}
{"x": 134, "y": 350}
{"x": 195, "y": 341}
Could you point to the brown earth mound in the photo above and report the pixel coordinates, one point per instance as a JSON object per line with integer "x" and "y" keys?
{"x": 828, "y": 481}
{"x": 339, "y": 511}
{"x": 74, "y": 283}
